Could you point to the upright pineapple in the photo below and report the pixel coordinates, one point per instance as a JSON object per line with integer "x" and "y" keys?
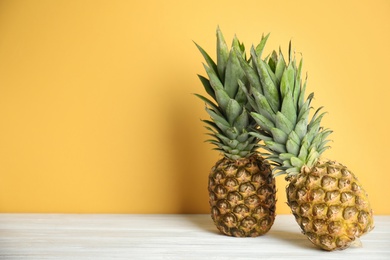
{"x": 327, "y": 200}
{"x": 241, "y": 186}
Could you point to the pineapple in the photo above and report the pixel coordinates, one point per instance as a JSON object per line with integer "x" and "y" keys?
{"x": 327, "y": 200}
{"x": 241, "y": 186}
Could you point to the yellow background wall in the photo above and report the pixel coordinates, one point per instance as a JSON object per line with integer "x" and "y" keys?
{"x": 96, "y": 105}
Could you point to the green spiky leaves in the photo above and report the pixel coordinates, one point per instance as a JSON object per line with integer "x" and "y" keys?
{"x": 255, "y": 99}
{"x": 277, "y": 97}
{"x": 225, "y": 83}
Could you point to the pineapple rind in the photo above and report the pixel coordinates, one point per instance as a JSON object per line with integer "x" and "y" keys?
{"x": 242, "y": 196}
{"x": 330, "y": 205}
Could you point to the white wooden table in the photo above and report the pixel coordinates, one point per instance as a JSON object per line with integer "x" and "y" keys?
{"x": 86, "y": 236}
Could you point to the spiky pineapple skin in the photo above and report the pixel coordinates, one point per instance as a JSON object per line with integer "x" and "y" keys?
{"x": 242, "y": 196}
{"x": 330, "y": 205}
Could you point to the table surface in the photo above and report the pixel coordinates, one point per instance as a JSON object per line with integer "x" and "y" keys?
{"x": 124, "y": 236}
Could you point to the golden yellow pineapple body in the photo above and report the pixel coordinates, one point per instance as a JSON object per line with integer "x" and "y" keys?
{"x": 330, "y": 205}
{"x": 242, "y": 196}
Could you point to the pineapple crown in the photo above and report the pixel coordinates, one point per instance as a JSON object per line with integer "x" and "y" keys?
{"x": 229, "y": 109}
{"x": 292, "y": 140}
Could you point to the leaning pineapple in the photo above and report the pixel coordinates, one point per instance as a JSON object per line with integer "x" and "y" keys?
{"x": 327, "y": 200}
{"x": 241, "y": 186}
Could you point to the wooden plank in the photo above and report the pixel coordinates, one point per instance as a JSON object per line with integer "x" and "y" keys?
{"x": 102, "y": 236}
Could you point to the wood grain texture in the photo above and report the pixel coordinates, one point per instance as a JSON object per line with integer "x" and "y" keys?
{"x": 96, "y": 236}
